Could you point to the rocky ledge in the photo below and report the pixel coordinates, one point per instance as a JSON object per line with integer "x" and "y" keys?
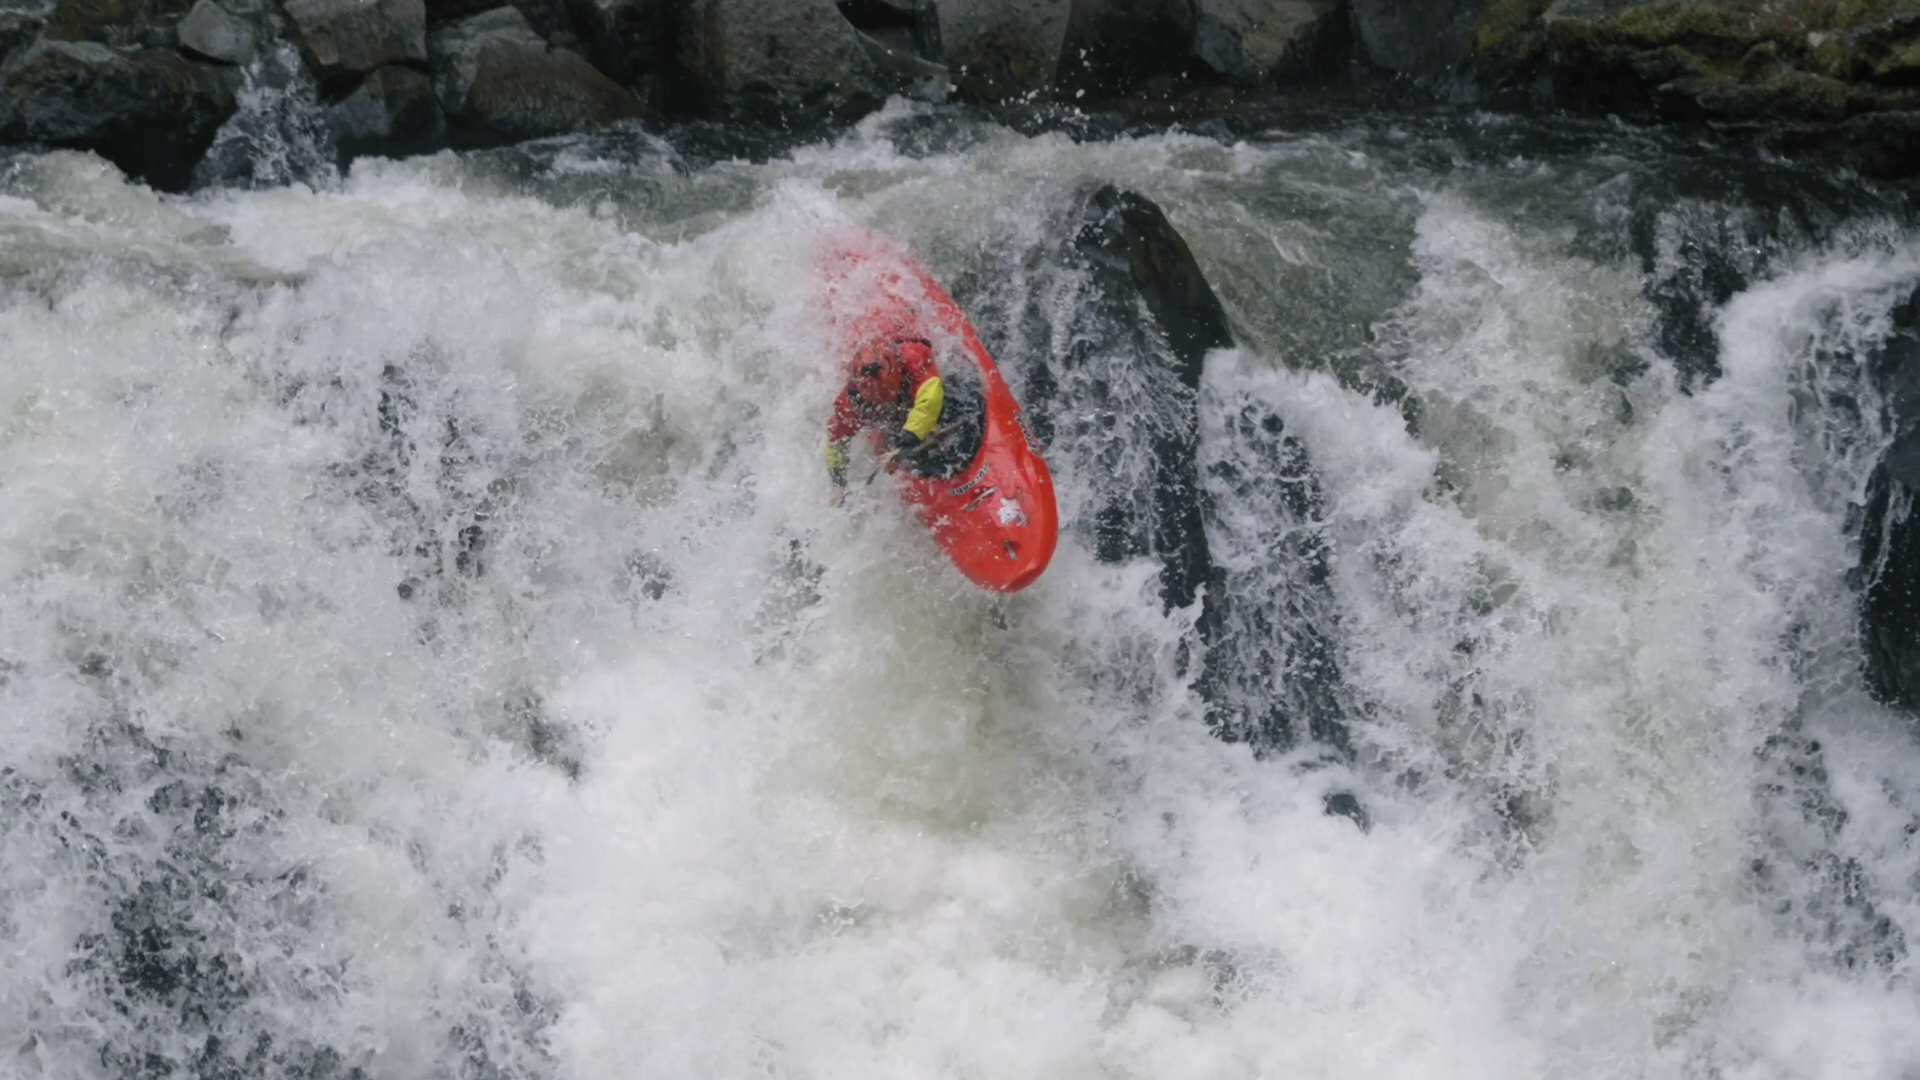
{"x": 150, "y": 84}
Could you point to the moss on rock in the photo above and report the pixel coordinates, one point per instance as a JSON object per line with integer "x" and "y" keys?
{"x": 1510, "y": 26}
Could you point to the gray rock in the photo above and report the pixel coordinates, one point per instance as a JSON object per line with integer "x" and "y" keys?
{"x": 393, "y": 113}
{"x": 1260, "y": 41}
{"x": 1890, "y": 536}
{"x": 907, "y": 26}
{"x": 18, "y": 29}
{"x": 500, "y": 82}
{"x": 1428, "y": 40}
{"x": 120, "y": 23}
{"x": 780, "y": 57}
{"x": 1115, "y": 45}
{"x": 215, "y": 34}
{"x": 341, "y": 38}
{"x": 550, "y": 19}
{"x": 626, "y": 38}
{"x": 153, "y": 114}
{"x": 796, "y": 48}
{"x": 1002, "y": 49}
{"x": 897, "y": 71}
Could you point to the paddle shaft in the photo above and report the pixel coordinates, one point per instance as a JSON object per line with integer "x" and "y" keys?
{"x": 924, "y": 443}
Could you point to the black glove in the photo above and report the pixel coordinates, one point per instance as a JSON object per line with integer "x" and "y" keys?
{"x": 902, "y": 440}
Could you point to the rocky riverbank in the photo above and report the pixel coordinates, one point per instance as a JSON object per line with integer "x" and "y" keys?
{"x": 150, "y": 84}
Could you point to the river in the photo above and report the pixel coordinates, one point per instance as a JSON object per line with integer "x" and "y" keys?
{"x": 426, "y": 649}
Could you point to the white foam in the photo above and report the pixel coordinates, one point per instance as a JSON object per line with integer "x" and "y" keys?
{"x": 911, "y": 829}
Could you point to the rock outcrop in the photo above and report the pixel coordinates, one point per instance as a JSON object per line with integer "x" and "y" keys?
{"x": 1890, "y": 535}
{"x": 1116, "y": 46}
{"x": 393, "y": 112}
{"x": 1843, "y": 68}
{"x": 627, "y": 39}
{"x": 1841, "y": 80}
{"x": 152, "y": 113}
{"x": 1255, "y": 42}
{"x": 1423, "y": 39}
{"x": 1001, "y": 49}
{"x": 342, "y": 39}
{"x": 754, "y": 59}
{"x": 1139, "y": 266}
{"x": 1131, "y": 361}
{"x": 500, "y": 82}
{"x": 212, "y": 32}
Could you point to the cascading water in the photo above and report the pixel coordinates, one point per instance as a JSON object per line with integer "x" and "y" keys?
{"x": 425, "y": 648}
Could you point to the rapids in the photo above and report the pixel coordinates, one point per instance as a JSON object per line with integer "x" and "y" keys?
{"x": 426, "y": 650}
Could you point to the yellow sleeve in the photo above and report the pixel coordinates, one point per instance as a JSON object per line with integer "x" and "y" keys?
{"x": 927, "y": 403}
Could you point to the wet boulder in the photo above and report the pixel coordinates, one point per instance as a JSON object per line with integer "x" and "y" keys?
{"x": 1115, "y": 46}
{"x": 392, "y": 113}
{"x": 152, "y": 113}
{"x": 551, "y": 19}
{"x": 499, "y": 82}
{"x": 343, "y": 39}
{"x": 1426, "y": 40}
{"x": 998, "y": 50}
{"x": 774, "y": 59}
{"x": 120, "y": 23}
{"x": 1272, "y": 676}
{"x": 213, "y": 32}
{"x": 18, "y": 29}
{"x": 1706, "y": 228}
{"x": 1184, "y": 472}
{"x": 1133, "y": 374}
{"x": 1708, "y": 60}
{"x": 907, "y": 26}
{"x": 1130, "y": 237}
{"x": 627, "y": 38}
{"x": 1890, "y": 534}
{"x": 1261, "y": 41}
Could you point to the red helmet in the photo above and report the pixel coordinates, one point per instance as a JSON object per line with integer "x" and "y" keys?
{"x": 877, "y": 374}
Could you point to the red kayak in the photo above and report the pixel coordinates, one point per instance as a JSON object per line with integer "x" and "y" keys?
{"x": 995, "y": 518}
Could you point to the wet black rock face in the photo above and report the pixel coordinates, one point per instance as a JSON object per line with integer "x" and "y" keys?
{"x": 151, "y": 112}
{"x": 1812, "y": 889}
{"x": 1116, "y": 391}
{"x": 1273, "y": 668}
{"x": 1145, "y": 279}
{"x": 1890, "y": 534}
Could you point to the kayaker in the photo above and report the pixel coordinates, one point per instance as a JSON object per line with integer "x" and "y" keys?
{"x": 893, "y": 387}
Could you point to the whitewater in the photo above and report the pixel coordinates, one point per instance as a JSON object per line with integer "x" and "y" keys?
{"x": 426, "y": 649}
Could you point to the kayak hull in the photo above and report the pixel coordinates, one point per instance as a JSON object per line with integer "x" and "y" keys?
{"x": 996, "y": 519}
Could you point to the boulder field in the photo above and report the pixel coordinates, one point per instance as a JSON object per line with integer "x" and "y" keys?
{"x": 149, "y": 83}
